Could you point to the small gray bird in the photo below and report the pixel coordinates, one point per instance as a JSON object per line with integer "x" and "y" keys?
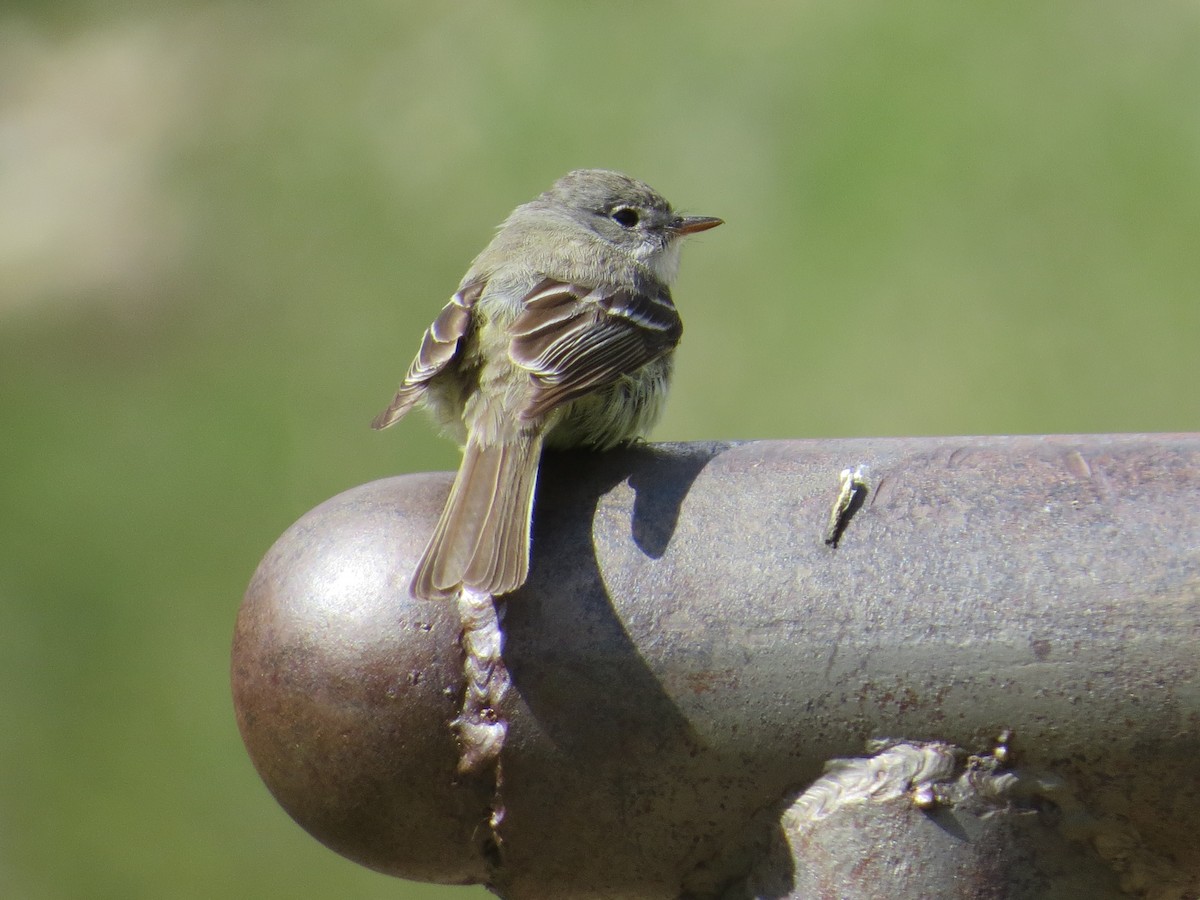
{"x": 561, "y": 334}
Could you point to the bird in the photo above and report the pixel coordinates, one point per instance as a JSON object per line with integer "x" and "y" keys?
{"x": 561, "y": 334}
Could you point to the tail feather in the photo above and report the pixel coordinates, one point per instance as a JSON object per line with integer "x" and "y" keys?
{"x": 482, "y": 537}
{"x": 502, "y": 553}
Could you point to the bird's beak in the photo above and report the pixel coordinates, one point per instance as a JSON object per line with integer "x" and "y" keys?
{"x": 694, "y": 224}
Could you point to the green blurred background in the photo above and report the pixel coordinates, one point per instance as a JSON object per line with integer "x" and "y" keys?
{"x": 223, "y": 227}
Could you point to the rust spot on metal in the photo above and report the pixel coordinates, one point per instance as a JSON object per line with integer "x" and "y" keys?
{"x": 708, "y": 681}
{"x": 701, "y": 682}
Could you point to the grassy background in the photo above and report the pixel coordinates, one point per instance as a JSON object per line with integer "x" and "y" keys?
{"x": 223, "y": 227}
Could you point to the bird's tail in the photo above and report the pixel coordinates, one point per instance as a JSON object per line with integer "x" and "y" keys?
{"x": 482, "y": 538}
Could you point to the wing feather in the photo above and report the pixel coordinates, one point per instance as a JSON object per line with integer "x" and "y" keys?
{"x": 439, "y": 347}
{"x": 573, "y": 339}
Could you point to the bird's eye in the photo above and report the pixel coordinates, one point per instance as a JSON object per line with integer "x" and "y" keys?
{"x": 625, "y": 216}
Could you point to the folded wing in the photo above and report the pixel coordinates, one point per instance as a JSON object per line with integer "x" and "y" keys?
{"x": 574, "y": 339}
{"x": 438, "y": 349}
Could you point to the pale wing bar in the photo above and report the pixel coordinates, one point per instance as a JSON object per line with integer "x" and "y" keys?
{"x": 573, "y": 339}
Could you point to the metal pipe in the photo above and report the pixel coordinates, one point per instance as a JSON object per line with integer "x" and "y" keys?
{"x": 690, "y": 652}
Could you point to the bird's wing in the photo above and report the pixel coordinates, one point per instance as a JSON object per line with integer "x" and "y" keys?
{"x": 574, "y": 339}
{"x": 439, "y": 346}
